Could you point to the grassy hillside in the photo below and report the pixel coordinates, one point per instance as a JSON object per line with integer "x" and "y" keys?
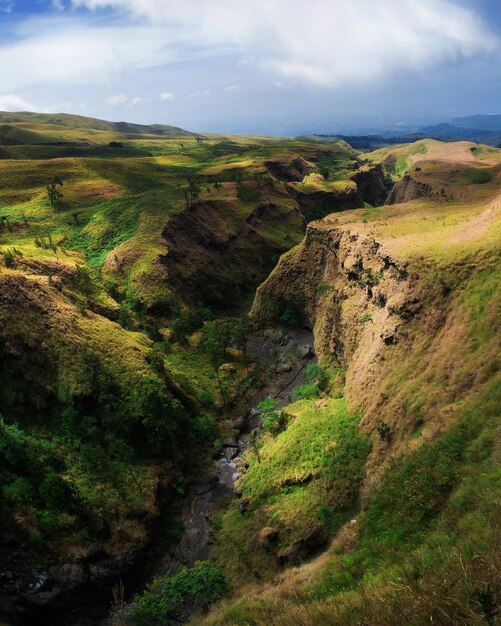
{"x": 124, "y": 248}
{"x": 104, "y": 292}
{"x": 404, "y": 300}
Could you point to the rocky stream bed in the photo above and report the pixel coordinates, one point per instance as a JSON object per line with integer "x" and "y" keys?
{"x": 79, "y": 593}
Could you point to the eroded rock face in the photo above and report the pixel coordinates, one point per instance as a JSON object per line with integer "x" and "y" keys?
{"x": 318, "y": 203}
{"x": 356, "y": 298}
{"x": 371, "y": 184}
{"x": 409, "y": 189}
{"x": 289, "y": 170}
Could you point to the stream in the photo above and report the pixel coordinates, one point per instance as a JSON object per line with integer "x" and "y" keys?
{"x": 286, "y": 373}
{"x": 78, "y": 593}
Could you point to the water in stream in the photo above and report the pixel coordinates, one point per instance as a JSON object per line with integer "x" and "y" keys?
{"x": 195, "y": 543}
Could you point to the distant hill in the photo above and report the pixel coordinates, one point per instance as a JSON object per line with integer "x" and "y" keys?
{"x": 479, "y": 122}
{"x": 76, "y": 122}
{"x": 484, "y": 129}
{"x": 450, "y": 132}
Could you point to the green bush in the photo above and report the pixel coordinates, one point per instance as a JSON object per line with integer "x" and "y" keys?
{"x": 273, "y": 420}
{"x": 290, "y": 318}
{"x": 479, "y": 176}
{"x": 189, "y": 321}
{"x": 8, "y": 258}
{"x": 314, "y": 374}
{"x": 306, "y": 392}
{"x": 164, "y": 599}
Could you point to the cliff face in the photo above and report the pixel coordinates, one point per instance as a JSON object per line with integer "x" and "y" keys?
{"x": 371, "y": 184}
{"x": 396, "y": 325}
{"x": 355, "y": 297}
{"x": 409, "y": 189}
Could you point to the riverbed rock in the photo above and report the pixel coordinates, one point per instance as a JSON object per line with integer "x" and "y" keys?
{"x": 230, "y": 452}
{"x": 207, "y": 485}
{"x": 306, "y": 352}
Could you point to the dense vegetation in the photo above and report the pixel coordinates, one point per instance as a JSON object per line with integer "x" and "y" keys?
{"x": 128, "y": 258}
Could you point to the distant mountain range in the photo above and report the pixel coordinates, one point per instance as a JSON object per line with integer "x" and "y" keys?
{"x": 478, "y": 128}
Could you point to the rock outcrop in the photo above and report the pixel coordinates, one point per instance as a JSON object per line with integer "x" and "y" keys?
{"x": 409, "y": 188}
{"x": 372, "y": 186}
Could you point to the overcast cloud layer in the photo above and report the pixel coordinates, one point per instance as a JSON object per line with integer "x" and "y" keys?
{"x": 325, "y": 42}
{"x": 174, "y": 57}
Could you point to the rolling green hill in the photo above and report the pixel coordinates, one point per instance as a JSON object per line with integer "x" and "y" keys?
{"x": 137, "y": 264}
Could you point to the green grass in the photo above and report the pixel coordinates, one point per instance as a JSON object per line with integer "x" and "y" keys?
{"x": 425, "y": 545}
{"x": 306, "y": 476}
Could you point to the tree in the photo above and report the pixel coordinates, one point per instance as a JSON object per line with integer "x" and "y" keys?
{"x": 239, "y": 329}
{"x": 53, "y": 193}
{"x": 192, "y": 191}
{"x": 216, "y": 339}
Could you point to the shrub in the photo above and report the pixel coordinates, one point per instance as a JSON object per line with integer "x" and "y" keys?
{"x": 314, "y": 374}
{"x": 8, "y": 258}
{"x": 383, "y": 430}
{"x": 306, "y": 392}
{"x": 189, "y": 321}
{"x": 155, "y": 359}
{"x": 273, "y": 420}
{"x": 290, "y": 318}
{"x": 479, "y": 176}
{"x": 323, "y": 287}
{"x": 164, "y": 599}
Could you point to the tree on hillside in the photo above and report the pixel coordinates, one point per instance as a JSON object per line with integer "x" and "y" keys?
{"x": 216, "y": 339}
{"x": 192, "y": 192}
{"x": 53, "y": 193}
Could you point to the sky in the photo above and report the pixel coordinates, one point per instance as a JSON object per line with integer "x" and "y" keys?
{"x": 258, "y": 66}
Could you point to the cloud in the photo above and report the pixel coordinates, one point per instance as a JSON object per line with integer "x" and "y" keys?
{"x": 231, "y": 88}
{"x": 6, "y": 6}
{"x": 167, "y": 95}
{"x": 58, "y": 5}
{"x": 118, "y": 100}
{"x": 68, "y": 51}
{"x": 332, "y": 43}
{"x": 122, "y": 100}
{"x": 12, "y": 102}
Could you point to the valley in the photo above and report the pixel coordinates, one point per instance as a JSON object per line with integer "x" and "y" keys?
{"x": 246, "y": 380}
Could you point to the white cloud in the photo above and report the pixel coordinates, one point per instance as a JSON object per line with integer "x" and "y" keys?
{"x": 12, "y": 102}
{"x": 67, "y": 51}
{"x": 329, "y": 43}
{"x": 167, "y": 95}
{"x": 58, "y": 5}
{"x": 118, "y": 100}
{"x": 332, "y": 43}
{"x": 231, "y": 88}
{"x": 121, "y": 99}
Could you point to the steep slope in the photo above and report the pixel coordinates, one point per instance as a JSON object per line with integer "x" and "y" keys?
{"x": 403, "y": 301}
